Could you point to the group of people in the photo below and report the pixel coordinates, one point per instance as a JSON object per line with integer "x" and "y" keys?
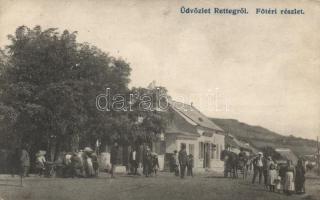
{"x": 80, "y": 164}
{"x": 287, "y": 178}
{"x": 72, "y": 164}
{"x": 145, "y": 159}
{"x": 277, "y": 177}
{"x": 181, "y": 161}
{"x": 149, "y": 163}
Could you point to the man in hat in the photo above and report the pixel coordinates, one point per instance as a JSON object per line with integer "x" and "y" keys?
{"x": 183, "y": 160}
{"x": 257, "y": 168}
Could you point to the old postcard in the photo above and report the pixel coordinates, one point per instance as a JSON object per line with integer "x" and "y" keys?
{"x": 159, "y": 99}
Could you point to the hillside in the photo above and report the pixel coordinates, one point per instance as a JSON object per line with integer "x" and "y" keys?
{"x": 260, "y": 137}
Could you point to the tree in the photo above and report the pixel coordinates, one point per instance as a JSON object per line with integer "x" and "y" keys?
{"x": 150, "y": 105}
{"x": 49, "y": 84}
{"x": 50, "y": 81}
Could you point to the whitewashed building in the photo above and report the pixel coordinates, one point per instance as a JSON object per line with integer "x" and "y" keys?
{"x": 203, "y": 139}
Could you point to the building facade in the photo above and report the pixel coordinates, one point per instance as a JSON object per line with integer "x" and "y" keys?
{"x": 203, "y": 139}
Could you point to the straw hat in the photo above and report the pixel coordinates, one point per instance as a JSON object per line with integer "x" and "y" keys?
{"x": 88, "y": 149}
{"x": 41, "y": 153}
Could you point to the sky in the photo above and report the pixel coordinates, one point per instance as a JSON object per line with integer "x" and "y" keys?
{"x": 260, "y": 69}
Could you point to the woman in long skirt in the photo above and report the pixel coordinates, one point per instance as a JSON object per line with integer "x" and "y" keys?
{"x": 289, "y": 187}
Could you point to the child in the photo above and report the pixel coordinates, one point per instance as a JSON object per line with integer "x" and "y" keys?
{"x": 190, "y": 165}
{"x": 277, "y": 182}
{"x": 272, "y": 176}
{"x": 155, "y": 163}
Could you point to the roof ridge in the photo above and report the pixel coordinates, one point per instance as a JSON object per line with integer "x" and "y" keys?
{"x": 186, "y": 116}
{"x": 204, "y": 120}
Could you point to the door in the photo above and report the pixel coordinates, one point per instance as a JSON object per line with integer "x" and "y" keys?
{"x": 206, "y": 160}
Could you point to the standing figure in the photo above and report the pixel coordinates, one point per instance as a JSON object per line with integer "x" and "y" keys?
{"x": 147, "y": 162}
{"x": 95, "y": 164}
{"x": 272, "y": 176}
{"x": 257, "y": 168}
{"x": 155, "y": 163}
{"x": 266, "y": 166}
{"x": 87, "y": 162}
{"x": 190, "y": 165}
{"x": 300, "y": 178}
{"x": 90, "y": 170}
{"x": 183, "y": 159}
{"x": 278, "y": 184}
{"x": 175, "y": 163}
{"x": 25, "y": 162}
{"x": 133, "y": 161}
{"x": 40, "y": 162}
{"x": 289, "y": 178}
{"x": 114, "y": 158}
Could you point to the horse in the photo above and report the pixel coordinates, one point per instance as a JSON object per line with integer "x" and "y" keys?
{"x": 231, "y": 161}
{"x": 243, "y": 166}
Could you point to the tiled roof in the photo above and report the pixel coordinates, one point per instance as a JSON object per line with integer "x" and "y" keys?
{"x": 287, "y": 154}
{"x": 180, "y": 127}
{"x": 193, "y": 115}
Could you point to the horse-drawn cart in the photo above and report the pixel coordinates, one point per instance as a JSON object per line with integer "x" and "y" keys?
{"x": 53, "y": 169}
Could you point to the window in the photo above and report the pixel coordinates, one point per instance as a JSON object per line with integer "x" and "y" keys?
{"x": 213, "y": 151}
{"x": 191, "y": 149}
{"x": 201, "y": 150}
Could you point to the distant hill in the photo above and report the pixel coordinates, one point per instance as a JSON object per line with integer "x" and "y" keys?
{"x": 260, "y": 137}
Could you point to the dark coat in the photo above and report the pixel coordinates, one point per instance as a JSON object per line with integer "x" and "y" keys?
{"x": 147, "y": 158}
{"x": 183, "y": 157}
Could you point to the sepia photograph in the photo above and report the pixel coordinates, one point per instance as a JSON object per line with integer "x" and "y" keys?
{"x": 159, "y": 99}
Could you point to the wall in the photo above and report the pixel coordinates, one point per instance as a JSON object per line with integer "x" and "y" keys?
{"x": 172, "y": 143}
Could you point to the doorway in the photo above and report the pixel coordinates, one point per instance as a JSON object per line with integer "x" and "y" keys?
{"x": 206, "y": 160}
